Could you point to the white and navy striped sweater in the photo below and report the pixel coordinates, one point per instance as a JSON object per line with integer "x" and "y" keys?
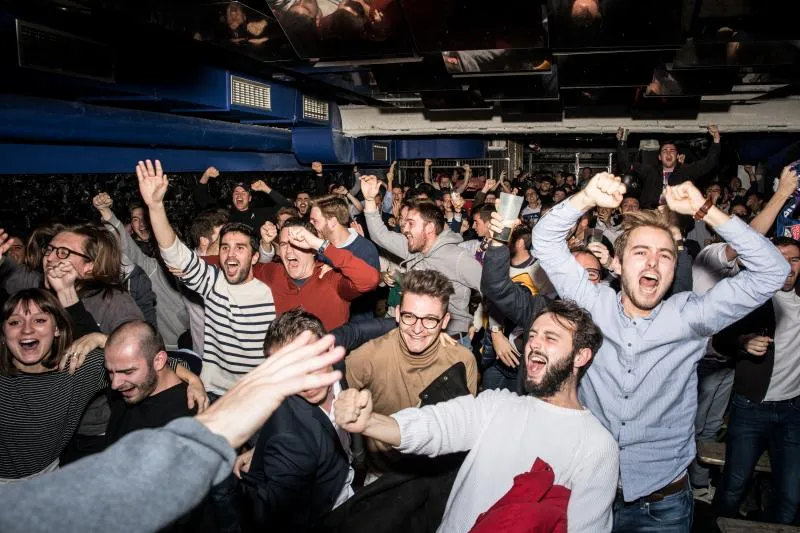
{"x": 236, "y": 318}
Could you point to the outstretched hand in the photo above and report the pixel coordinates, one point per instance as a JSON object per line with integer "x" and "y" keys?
{"x": 605, "y": 190}
{"x": 153, "y": 183}
{"x": 685, "y": 198}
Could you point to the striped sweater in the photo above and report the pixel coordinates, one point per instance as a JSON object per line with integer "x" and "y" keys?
{"x": 40, "y": 412}
{"x": 236, "y": 318}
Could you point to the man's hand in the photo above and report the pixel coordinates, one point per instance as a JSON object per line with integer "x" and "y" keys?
{"x": 260, "y": 186}
{"x": 302, "y": 238}
{"x": 713, "y": 130}
{"x": 61, "y": 276}
{"x": 428, "y": 163}
{"x": 756, "y": 345}
{"x": 490, "y": 185}
{"x": 467, "y": 171}
{"x": 370, "y": 187}
{"x": 603, "y": 190}
{"x": 153, "y": 183}
{"x": 5, "y": 243}
{"x": 358, "y": 227}
{"x": 505, "y": 351}
{"x": 268, "y": 233}
{"x": 601, "y": 253}
{"x": 103, "y": 203}
{"x": 300, "y": 365}
{"x": 685, "y": 199}
{"x": 620, "y": 133}
{"x": 788, "y": 182}
{"x": 210, "y": 173}
{"x": 242, "y": 463}
{"x": 75, "y": 355}
{"x": 196, "y": 395}
{"x": 353, "y": 409}
{"x": 341, "y": 190}
{"x": 316, "y": 166}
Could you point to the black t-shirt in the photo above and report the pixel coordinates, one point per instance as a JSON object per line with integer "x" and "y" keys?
{"x": 152, "y": 412}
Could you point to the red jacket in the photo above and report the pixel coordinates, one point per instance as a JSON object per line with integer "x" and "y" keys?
{"x": 532, "y": 505}
{"x": 327, "y": 298}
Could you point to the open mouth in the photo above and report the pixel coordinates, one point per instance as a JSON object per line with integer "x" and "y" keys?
{"x": 648, "y": 282}
{"x": 231, "y": 267}
{"x": 536, "y": 364}
{"x": 29, "y": 344}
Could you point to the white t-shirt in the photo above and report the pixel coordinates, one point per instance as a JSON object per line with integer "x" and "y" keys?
{"x": 785, "y": 381}
{"x": 505, "y": 433}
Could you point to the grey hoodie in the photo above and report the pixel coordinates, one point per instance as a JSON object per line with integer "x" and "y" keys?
{"x": 446, "y": 256}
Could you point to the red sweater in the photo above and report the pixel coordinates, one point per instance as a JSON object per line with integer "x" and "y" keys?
{"x": 327, "y": 298}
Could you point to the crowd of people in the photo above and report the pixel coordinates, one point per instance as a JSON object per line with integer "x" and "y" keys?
{"x": 390, "y": 357}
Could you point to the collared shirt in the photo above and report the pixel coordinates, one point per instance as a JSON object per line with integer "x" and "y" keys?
{"x": 344, "y": 438}
{"x": 642, "y": 383}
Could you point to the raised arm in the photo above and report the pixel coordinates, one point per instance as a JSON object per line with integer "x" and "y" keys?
{"x": 709, "y": 162}
{"x": 623, "y": 159}
{"x": 393, "y": 242}
{"x": 426, "y": 174}
{"x": 569, "y": 279}
{"x": 202, "y": 195}
{"x": 467, "y": 176}
{"x": 276, "y": 197}
{"x": 103, "y": 203}
{"x": 732, "y": 298}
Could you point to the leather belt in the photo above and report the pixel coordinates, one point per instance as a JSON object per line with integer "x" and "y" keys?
{"x": 673, "y": 488}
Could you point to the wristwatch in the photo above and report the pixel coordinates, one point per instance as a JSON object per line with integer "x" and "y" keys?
{"x": 323, "y": 246}
{"x": 496, "y": 329}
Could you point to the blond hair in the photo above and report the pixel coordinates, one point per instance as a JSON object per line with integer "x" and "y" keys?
{"x": 651, "y": 218}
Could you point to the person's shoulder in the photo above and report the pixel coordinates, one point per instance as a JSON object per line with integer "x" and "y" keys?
{"x": 369, "y": 349}
{"x": 599, "y": 438}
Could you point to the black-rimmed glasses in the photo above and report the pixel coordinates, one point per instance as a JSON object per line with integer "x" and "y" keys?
{"x": 410, "y": 319}
{"x": 62, "y": 252}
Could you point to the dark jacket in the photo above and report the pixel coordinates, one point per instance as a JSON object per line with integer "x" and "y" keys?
{"x": 298, "y": 469}
{"x": 651, "y": 178}
{"x": 753, "y": 374}
{"x": 254, "y": 216}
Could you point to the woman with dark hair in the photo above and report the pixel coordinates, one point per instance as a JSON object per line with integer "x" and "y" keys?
{"x": 40, "y": 406}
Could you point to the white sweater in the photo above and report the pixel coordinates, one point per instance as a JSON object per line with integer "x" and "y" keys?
{"x": 505, "y": 433}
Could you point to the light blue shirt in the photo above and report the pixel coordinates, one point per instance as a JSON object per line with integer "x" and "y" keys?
{"x": 642, "y": 383}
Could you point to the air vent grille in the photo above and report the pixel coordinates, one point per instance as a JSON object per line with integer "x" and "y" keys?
{"x": 314, "y": 109}
{"x": 248, "y": 93}
{"x": 380, "y": 152}
{"x": 49, "y": 50}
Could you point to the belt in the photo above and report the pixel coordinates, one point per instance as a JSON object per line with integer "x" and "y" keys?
{"x": 673, "y": 488}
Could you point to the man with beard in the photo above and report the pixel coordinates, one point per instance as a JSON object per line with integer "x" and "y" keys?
{"x": 232, "y": 338}
{"x": 298, "y": 280}
{"x": 302, "y": 202}
{"x": 506, "y": 433}
{"x": 669, "y": 171}
{"x": 643, "y": 384}
{"x": 426, "y": 243}
{"x": 149, "y": 394}
{"x": 242, "y": 210}
{"x": 765, "y": 406}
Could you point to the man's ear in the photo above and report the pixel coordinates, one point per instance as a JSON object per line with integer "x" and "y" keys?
{"x": 583, "y": 358}
{"x": 160, "y": 361}
{"x": 254, "y": 259}
{"x": 616, "y": 265}
{"x": 445, "y": 321}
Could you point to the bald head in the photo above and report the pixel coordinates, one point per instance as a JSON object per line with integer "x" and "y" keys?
{"x": 135, "y": 357}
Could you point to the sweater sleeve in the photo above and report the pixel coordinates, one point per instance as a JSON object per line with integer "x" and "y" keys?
{"x": 514, "y": 301}
{"x": 175, "y": 468}
{"x": 199, "y": 276}
{"x": 357, "y": 277}
{"x": 594, "y": 487}
{"x": 447, "y": 427}
{"x": 82, "y": 321}
{"x": 132, "y": 250}
{"x": 390, "y": 241}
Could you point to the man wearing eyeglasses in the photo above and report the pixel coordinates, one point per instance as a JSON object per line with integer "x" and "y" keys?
{"x": 401, "y": 368}
{"x": 670, "y": 170}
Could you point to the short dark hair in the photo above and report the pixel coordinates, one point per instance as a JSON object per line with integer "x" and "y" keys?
{"x": 428, "y": 212}
{"x": 289, "y": 326}
{"x": 244, "y": 229}
{"x": 300, "y": 223}
{"x": 521, "y": 232}
{"x": 484, "y": 211}
{"x": 585, "y": 333}
{"x": 784, "y": 241}
{"x": 49, "y": 304}
{"x": 205, "y": 222}
{"x": 149, "y": 340}
{"x": 428, "y": 283}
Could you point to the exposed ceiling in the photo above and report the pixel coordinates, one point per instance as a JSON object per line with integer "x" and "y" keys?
{"x": 436, "y": 67}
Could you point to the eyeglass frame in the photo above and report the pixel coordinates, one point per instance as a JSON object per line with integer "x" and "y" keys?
{"x": 419, "y": 319}
{"x": 49, "y": 249}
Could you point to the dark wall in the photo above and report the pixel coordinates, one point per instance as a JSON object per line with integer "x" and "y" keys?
{"x": 27, "y": 202}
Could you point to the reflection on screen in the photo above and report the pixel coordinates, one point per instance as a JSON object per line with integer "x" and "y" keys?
{"x": 343, "y": 29}
{"x": 478, "y": 61}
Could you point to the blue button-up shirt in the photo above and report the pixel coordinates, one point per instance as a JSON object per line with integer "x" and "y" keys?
{"x": 642, "y": 383}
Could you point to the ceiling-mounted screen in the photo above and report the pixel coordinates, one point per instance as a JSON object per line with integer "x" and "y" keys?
{"x": 494, "y": 62}
{"x": 343, "y": 29}
{"x": 599, "y": 24}
{"x": 442, "y": 25}
{"x": 243, "y": 29}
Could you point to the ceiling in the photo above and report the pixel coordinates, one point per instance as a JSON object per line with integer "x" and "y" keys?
{"x": 433, "y": 67}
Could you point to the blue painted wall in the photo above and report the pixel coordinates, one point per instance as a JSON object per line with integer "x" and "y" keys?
{"x": 439, "y": 149}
